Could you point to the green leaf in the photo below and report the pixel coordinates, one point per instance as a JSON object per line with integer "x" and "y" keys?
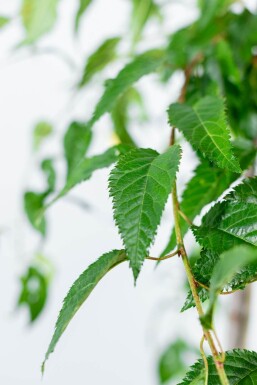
{"x": 99, "y": 60}
{"x": 35, "y": 286}
{"x": 34, "y": 201}
{"x": 121, "y": 114}
{"x": 4, "y": 21}
{"x": 80, "y": 291}
{"x": 142, "y": 65}
{"x": 207, "y": 184}
{"x": 231, "y": 222}
{"x": 227, "y": 62}
{"x": 38, "y": 18}
{"x": 140, "y": 185}
{"x": 190, "y": 302}
{"x": 245, "y": 192}
{"x": 230, "y": 263}
{"x": 34, "y": 292}
{"x": 83, "y": 5}
{"x": 172, "y": 363}
{"x": 210, "y": 9}
{"x": 76, "y": 143}
{"x": 203, "y": 270}
{"x": 142, "y": 11}
{"x": 48, "y": 168}
{"x": 87, "y": 166}
{"x": 34, "y": 206}
{"x": 41, "y": 131}
{"x": 240, "y": 367}
{"x": 205, "y": 127}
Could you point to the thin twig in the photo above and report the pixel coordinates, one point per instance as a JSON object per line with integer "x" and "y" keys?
{"x": 163, "y": 258}
{"x": 188, "y": 221}
{"x": 222, "y": 292}
{"x": 205, "y": 361}
{"x": 223, "y": 354}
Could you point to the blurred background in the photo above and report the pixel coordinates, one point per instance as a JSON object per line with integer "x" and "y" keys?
{"x": 120, "y": 334}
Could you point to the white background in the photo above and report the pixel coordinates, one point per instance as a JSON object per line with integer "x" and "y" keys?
{"x": 118, "y": 334}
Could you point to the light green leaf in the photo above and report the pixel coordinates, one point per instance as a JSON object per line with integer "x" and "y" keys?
{"x": 33, "y": 206}
{"x": 172, "y": 363}
{"x": 121, "y": 114}
{"x": 4, "y": 21}
{"x": 86, "y": 167}
{"x": 41, "y": 131}
{"x": 142, "y": 11}
{"x": 99, "y": 60}
{"x": 83, "y": 5}
{"x": 80, "y": 291}
{"x": 48, "y": 168}
{"x": 240, "y": 367}
{"x": 38, "y": 18}
{"x": 142, "y": 65}
{"x": 34, "y": 201}
{"x": 140, "y": 185}
{"x": 227, "y": 62}
{"x": 76, "y": 143}
{"x": 230, "y": 263}
{"x": 205, "y": 127}
{"x": 210, "y": 9}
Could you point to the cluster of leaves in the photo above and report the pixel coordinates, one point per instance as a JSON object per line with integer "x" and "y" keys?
{"x": 216, "y": 114}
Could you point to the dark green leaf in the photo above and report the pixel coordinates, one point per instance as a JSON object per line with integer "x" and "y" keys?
{"x": 205, "y": 127}
{"x": 189, "y": 302}
{"x": 140, "y": 184}
{"x": 76, "y": 143}
{"x": 207, "y": 184}
{"x": 38, "y": 18}
{"x": 83, "y": 5}
{"x": 80, "y": 291}
{"x": 240, "y": 367}
{"x": 142, "y": 65}
{"x": 41, "y": 131}
{"x": 231, "y": 222}
{"x": 245, "y": 192}
{"x": 34, "y": 292}
{"x": 104, "y": 55}
{"x": 35, "y": 286}
{"x": 230, "y": 263}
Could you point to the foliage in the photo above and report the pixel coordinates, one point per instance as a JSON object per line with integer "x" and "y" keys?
{"x": 216, "y": 112}
{"x": 240, "y": 365}
{"x": 140, "y": 185}
{"x": 80, "y": 291}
